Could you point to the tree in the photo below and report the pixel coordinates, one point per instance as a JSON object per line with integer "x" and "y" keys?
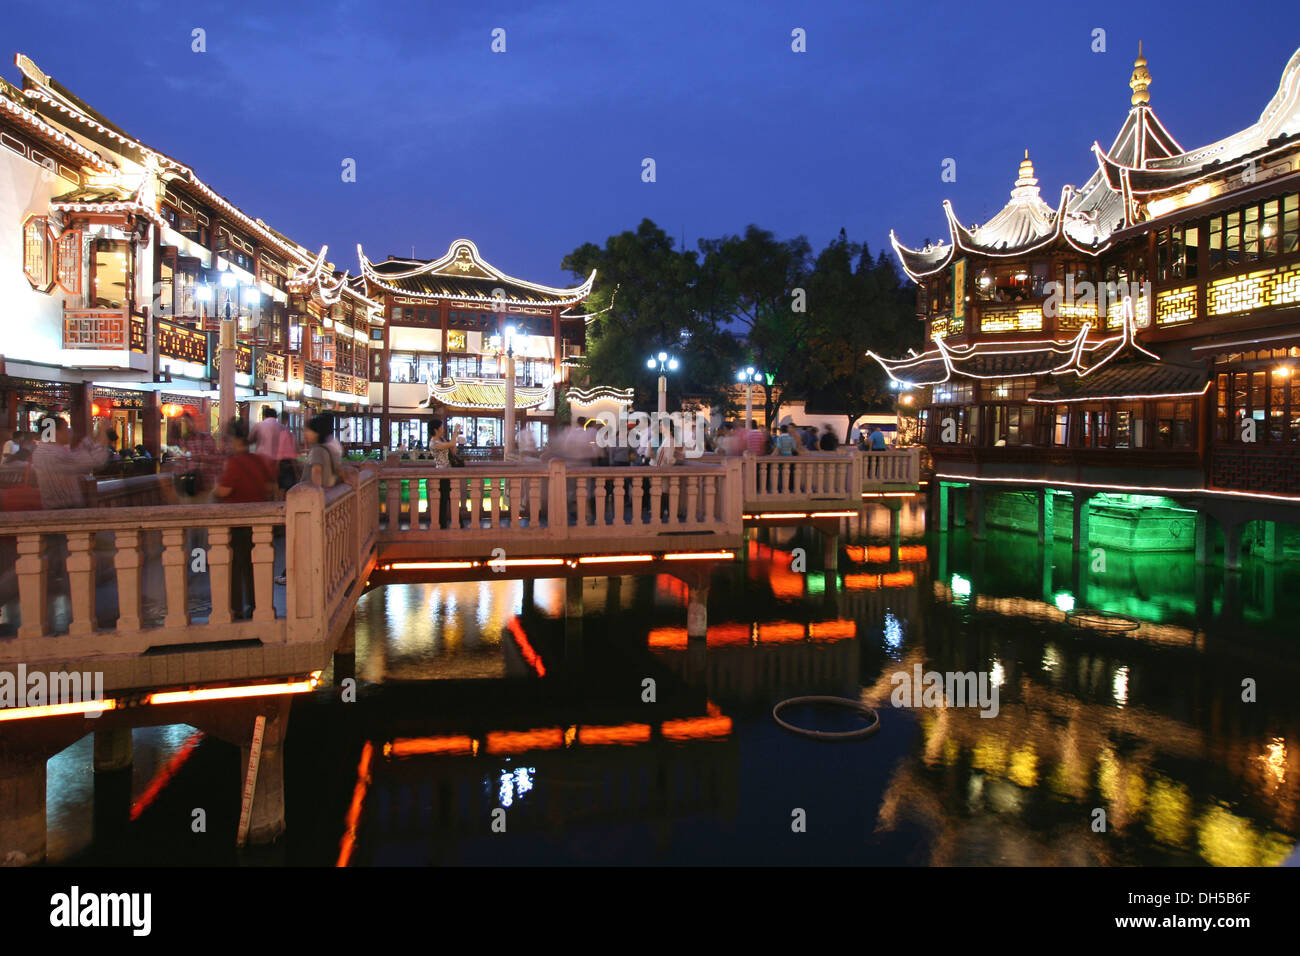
{"x": 853, "y": 309}
{"x": 749, "y": 284}
{"x": 647, "y": 300}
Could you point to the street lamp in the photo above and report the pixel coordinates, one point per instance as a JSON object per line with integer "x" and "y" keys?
{"x": 226, "y": 381}
{"x": 511, "y": 336}
{"x": 663, "y": 362}
{"x": 749, "y": 375}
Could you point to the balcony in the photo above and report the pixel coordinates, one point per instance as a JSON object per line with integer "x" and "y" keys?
{"x": 96, "y": 329}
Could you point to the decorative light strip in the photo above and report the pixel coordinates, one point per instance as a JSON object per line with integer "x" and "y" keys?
{"x": 586, "y": 396}
{"x": 233, "y": 693}
{"x": 1118, "y": 398}
{"x": 700, "y": 556}
{"x": 833, "y": 514}
{"x": 565, "y": 296}
{"x": 615, "y": 558}
{"x": 67, "y": 142}
{"x": 111, "y": 207}
{"x": 1124, "y": 488}
{"x": 58, "y": 710}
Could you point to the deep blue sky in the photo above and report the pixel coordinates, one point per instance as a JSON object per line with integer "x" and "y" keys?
{"x": 537, "y": 150}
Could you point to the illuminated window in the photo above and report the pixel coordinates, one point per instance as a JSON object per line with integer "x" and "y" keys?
{"x": 70, "y": 262}
{"x": 38, "y": 253}
{"x": 109, "y": 286}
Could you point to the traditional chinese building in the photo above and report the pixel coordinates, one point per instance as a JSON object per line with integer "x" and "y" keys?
{"x": 443, "y": 346}
{"x": 1139, "y": 335}
{"x": 117, "y": 267}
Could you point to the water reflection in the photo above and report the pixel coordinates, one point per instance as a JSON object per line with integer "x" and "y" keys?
{"x": 479, "y": 699}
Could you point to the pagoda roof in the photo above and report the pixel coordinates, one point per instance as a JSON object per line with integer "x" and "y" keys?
{"x": 1024, "y": 224}
{"x": 1128, "y": 379}
{"x": 46, "y": 97}
{"x": 1045, "y": 356}
{"x": 1085, "y": 218}
{"x": 463, "y": 275}
{"x": 480, "y": 394}
{"x": 1273, "y": 131}
{"x": 327, "y": 284}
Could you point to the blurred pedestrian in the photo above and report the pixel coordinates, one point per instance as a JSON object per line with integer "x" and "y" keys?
{"x": 246, "y": 478}
{"x": 199, "y": 463}
{"x": 322, "y": 465}
{"x": 59, "y": 469}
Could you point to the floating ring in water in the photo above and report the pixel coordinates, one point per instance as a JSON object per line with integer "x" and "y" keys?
{"x": 1102, "y": 620}
{"x": 845, "y": 703}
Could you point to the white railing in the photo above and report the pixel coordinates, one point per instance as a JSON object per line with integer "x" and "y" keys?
{"x": 813, "y": 476}
{"x": 894, "y": 467}
{"x": 558, "y": 502}
{"x": 149, "y": 563}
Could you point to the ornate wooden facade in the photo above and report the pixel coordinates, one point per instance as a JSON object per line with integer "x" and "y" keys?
{"x": 1145, "y": 330}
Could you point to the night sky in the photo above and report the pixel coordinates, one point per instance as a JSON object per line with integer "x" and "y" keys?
{"x": 536, "y": 150}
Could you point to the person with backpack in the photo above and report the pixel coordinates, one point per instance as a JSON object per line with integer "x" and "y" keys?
{"x": 274, "y": 443}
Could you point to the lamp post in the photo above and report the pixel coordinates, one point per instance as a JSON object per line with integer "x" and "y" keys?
{"x": 663, "y": 362}
{"x": 749, "y": 375}
{"x": 226, "y": 380}
{"x": 511, "y": 334}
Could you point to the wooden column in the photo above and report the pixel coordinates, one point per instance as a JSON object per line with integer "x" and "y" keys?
{"x": 151, "y": 425}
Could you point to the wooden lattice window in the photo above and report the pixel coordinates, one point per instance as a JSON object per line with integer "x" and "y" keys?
{"x": 38, "y": 253}
{"x": 69, "y": 262}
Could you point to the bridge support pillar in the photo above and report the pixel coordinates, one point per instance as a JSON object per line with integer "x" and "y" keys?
{"x": 113, "y": 749}
{"x": 960, "y": 502}
{"x": 1273, "y": 536}
{"x": 697, "y": 611}
{"x": 944, "y": 492}
{"x": 1232, "y": 546}
{"x": 22, "y": 810}
{"x": 1046, "y": 517}
{"x": 266, "y": 822}
{"x": 1080, "y": 535}
{"x": 1204, "y": 543}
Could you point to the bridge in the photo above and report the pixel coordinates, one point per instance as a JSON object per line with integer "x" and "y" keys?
{"x": 142, "y": 594}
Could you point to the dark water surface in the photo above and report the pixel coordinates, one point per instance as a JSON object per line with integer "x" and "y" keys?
{"x": 473, "y": 698}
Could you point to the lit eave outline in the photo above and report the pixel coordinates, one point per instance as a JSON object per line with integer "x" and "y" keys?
{"x": 564, "y": 297}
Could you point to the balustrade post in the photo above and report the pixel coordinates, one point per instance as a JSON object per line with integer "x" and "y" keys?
{"x": 263, "y": 568}
{"x": 174, "y": 560}
{"x": 219, "y": 573}
{"x": 304, "y": 532}
{"x": 33, "y": 584}
{"x": 857, "y": 475}
{"x": 81, "y": 581}
{"x": 733, "y": 497}
{"x": 557, "y": 501}
{"x": 126, "y": 562}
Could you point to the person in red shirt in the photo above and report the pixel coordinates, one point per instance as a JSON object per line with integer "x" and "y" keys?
{"x": 245, "y": 479}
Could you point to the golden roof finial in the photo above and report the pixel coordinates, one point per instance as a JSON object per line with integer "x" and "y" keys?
{"x": 1140, "y": 80}
{"x": 1026, "y": 168}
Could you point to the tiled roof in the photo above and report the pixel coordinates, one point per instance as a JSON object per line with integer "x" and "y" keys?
{"x": 481, "y": 395}
{"x": 1127, "y": 380}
